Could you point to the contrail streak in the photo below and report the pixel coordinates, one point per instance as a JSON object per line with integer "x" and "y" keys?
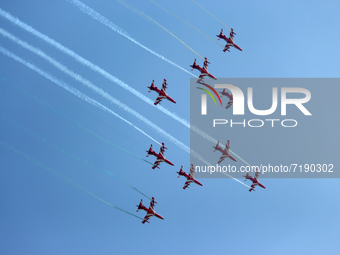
{"x": 71, "y": 90}
{"x": 57, "y": 148}
{"x": 73, "y": 122}
{"x": 90, "y": 65}
{"x": 95, "y": 103}
{"x": 78, "y": 186}
{"x": 209, "y": 13}
{"x": 105, "y": 74}
{"x": 87, "y": 10}
{"x": 143, "y": 15}
{"x": 96, "y": 16}
{"x": 94, "y": 88}
{"x": 186, "y": 22}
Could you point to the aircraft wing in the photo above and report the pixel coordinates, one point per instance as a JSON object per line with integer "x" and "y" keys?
{"x": 164, "y": 87}
{"x": 187, "y": 184}
{"x": 152, "y": 204}
{"x": 229, "y": 104}
{"x": 161, "y": 150}
{"x": 226, "y": 47}
{"x": 158, "y": 100}
{"x": 253, "y": 186}
{"x": 202, "y": 75}
{"x": 157, "y": 162}
{"x": 146, "y": 218}
{"x": 192, "y": 170}
{"x": 223, "y": 157}
{"x": 227, "y": 146}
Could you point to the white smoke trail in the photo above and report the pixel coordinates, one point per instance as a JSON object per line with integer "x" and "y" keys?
{"x": 94, "y": 88}
{"x": 186, "y": 22}
{"x": 88, "y": 99}
{"x": 96, "y": 16}
{"x": 70, "y": 155}
{"x": 73, "y": 122}
{"x": 100, "y": 106}
{"x": 209, "y": 13}
{"x": 90, "y": 65}
{"x": 78, "y": 186}
{"x": 143, "y": 15}
{"x": 100, "y": 92}
{"x": 71, "y": 90}
{"x": 107, "y": 75}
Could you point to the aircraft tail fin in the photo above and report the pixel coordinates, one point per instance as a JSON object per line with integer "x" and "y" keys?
{"x": 246, "y": 176}
{"x": 223, "y": 92}
{"x": 151, "y": 86}
{"x": 193, "y": 65}
{"x": 215, "y": 147}
{"x": 140, "y": 205}
{"x": 149, "y": 151}
{"x": 180, "y": 171}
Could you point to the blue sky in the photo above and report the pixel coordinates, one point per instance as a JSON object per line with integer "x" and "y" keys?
{"x": 46, "y": 131}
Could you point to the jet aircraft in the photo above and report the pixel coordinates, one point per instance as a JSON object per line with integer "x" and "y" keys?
{"x": 149, "y": 211}
{"x": 230, "y": 96}
{"x": 203, "y": 70}
{"x": 254, "y": 180}
{"x": 161, "y": 92}
{"x": 230, "y": 40}
{"x": 160, "y": 156}
{"x": 225, "y": 152}
{"x": 190, "y": 176}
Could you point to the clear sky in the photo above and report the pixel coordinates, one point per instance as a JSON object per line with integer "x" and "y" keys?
{"x": 65, "y": 161}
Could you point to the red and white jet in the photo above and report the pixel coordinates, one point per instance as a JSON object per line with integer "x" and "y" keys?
{"x": 254, "y": 180}
{"x": 160, "y": 156}
{"x": 149, "y": 211}
{"x": 161, "y": 92}
{"x": 190, "y": 177}
{"x": 225, "y": 152}
{"x": 230, "y": 96}
{"x": 204, "y": 70}
{"x": 230, "y": 40}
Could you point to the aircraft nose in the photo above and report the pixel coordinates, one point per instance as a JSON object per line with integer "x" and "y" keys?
{"x": 159, "y": 216}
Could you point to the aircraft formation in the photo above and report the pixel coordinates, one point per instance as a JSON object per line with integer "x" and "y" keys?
{"x": 162, "y": 94}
